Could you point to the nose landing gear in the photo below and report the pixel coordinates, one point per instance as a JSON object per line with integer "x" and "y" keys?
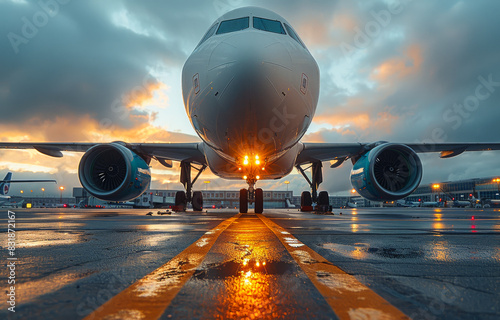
{"x": 251, "y": 195}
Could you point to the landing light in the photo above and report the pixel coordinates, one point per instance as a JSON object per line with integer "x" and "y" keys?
{"x": 257, "y": 162}
{"x": 256, "y": 157}
{"x": 245, "y": 162}
{"x": 245, "y": 177}
{"x": 246, "y": 157}
{"x": 257, "y": 177}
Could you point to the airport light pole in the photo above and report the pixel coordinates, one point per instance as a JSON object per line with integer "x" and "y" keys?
{"x": 287, "y": 183}
{"x": 62, "y": 189}
{"x": 43, "y": 192}
{"x": 497, "y": 180}
{"x": 206, "y": 184}
{"x": 436, "y": 187}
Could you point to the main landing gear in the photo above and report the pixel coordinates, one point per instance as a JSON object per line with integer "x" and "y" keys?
{"x": 183, "y": 198}
{"x": 307, "y": 199}
{"x": 251, "y": 195}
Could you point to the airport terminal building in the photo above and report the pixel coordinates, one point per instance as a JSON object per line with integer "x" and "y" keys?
{"x": 482, "y": 191}
{"x": 214, "y": 198}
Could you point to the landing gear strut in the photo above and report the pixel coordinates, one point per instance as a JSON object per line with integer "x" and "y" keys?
{"x": 307, "y": 199}
{"x": 251, "y": 195}
{"x": 183, "y": 198}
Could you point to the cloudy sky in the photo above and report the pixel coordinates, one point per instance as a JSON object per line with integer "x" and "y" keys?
{"x": 99, "y": 71}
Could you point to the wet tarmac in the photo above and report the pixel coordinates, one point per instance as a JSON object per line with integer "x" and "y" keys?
{"x": 385, "y": 263}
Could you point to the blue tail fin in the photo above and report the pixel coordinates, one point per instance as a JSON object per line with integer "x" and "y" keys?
{"x": 5, "y": 186}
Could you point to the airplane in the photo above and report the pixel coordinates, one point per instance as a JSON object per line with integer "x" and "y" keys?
{"x": 5, "y": 183}
{"x": 5, "y": 188}
{"x": 250, "y": 90}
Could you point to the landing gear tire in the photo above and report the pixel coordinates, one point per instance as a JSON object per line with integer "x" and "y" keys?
{"x": 306, "y": 201}
{"x": 323, "y": 201}
{"x": 180, "y": 201}
{"x": 243, "y": 201}
{"x": 197, "y": 201}
{"x": 259, "y": 200}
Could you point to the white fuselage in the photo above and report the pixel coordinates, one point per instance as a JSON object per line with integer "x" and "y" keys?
{"x": 250, "y": 96}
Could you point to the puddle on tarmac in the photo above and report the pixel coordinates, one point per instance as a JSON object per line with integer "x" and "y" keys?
{"x": 236, "y": 269}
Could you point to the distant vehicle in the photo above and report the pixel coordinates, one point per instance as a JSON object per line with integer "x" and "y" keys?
{"x": 492, "y": 203}
{"x": 461, "y": 204}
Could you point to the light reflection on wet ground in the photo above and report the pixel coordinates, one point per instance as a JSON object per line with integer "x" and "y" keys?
{"x": 248, "y": 274}
{"x": 439, "y": 250}
{"x": 249, "y": 288}
{"x": 44, "y": 238}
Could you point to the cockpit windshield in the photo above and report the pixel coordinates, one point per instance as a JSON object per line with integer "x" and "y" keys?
{"x": 268, "y": 25}
{"x": 294, "y": 35}
{"x": 233, "y": 25}
{"x": 209, "y": 33}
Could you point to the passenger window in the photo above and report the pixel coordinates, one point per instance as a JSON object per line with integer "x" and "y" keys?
{"x": 268, "y": 25}
{"x": 209, "y": 33}
{"x": 233, "y": 25}
{"x": 292, "y": 34}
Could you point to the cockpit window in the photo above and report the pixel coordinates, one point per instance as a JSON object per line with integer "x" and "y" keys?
{"x": 209, "y": 33}
{"x": 292, "y": 34}
{"x": 268, "y": 25}
{"x": 233, "y": 25}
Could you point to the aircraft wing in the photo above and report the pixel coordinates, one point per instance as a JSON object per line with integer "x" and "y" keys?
{"x": 24, "y": 181}
{"x": 339, "y": 152}
{"x": 161, "y": 151}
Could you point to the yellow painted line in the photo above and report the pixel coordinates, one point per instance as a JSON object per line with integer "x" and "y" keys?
{"x": 349, "y": 298}
{"x": 150, "y": 296}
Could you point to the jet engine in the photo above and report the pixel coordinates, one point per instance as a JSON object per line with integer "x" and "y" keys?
{"x": 387, "y": 172}
{"x": 113, "y": 172}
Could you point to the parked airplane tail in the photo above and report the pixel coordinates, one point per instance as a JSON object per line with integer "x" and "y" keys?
{"x": 5, "y": 185}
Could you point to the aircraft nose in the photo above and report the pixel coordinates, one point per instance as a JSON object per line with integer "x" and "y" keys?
{"x": 248, "y": 50}
{"x": 251, "y": 77}
{"x": 251, "y": 66}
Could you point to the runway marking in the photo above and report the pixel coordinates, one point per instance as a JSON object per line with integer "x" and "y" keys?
{"x": 349, "y": 298}
{"x": 148, "y": 297}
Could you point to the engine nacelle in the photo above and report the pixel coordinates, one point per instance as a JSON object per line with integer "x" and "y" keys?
{"x": 112, "y": 172}
{"x": 387, "y": 172}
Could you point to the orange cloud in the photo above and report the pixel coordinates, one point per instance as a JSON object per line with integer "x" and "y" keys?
{"x": 357, "y": 116}
{"x": 145, "y": 94}
{"x": 399, "y": 67}
{"x": 87, "y": 129}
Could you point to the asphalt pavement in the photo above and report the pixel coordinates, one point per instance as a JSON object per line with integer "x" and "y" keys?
{"x": 366, "y": 263}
